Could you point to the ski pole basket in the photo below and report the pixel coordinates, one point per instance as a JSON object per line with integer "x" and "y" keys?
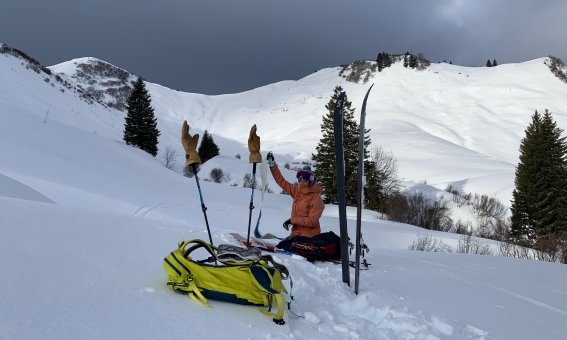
{"x": 251, "y": 282}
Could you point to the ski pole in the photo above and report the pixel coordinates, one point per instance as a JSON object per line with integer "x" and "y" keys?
{"x": 251, "y": 204}
{"x": 255, "y": 157}
{"x": 263, "y": 176}
{"x": 203, "y": 207}
{"x": 193, "y": 160}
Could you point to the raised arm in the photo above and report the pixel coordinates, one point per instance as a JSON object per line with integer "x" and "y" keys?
{"x": 280, "y": 180}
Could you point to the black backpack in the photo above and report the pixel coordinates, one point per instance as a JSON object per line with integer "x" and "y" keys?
{"x": 322, "y": 247}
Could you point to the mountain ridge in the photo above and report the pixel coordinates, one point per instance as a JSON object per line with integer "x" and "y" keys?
{"x": 434, "y": 114}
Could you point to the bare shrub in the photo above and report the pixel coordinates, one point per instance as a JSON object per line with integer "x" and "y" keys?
{"x": 417, "y": 210}
{"x": 563, "y": 249}
{"x": 557, "y": 67}
{"x": 513, "y": 250}
{"x": 422, "y": 62}
{"x": 506, "y": 249}
{"x": 249, "y": 182}
{"x": 452, "y": 190}
{"x": 494, "y": 228}
{"x": 463, "y": 228}
{"x": 483, "y": 231}
{"x": 470, "y": 245}
{"x": 217, "y": 175}
{"x": 169, "y": 157}
{"x": 357, "y": 70}
{"x": 446, "y": 224}
{"x": 485, "y": 206}
{"x": 462, "y": 199}
{"x": 428, "y": 243}
{"x": 387, "y": 168}
{"x": 552, "y": 248}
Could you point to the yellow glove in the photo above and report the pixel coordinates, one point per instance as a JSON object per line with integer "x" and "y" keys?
{"x": 190, "y": 145}
{"x": 254, "y": 146}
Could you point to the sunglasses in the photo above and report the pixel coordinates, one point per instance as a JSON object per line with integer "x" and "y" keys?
{"x": 304, "y": 176}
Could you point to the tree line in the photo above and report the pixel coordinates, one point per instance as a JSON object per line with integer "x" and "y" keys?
{"x": 140, "y": 127}
{"x": 539, "y": 205}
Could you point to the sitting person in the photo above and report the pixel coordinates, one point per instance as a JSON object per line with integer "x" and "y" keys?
{"x": 307, "y": 206}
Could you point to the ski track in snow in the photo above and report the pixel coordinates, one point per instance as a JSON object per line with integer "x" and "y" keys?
{"x": 494, "y": 287}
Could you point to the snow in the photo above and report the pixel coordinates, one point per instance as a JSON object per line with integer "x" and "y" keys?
{"x": 85, "y": 220}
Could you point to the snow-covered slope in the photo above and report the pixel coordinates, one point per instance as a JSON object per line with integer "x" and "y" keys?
{"x": 85, "y": 222}
{"x": 446, "y": 124}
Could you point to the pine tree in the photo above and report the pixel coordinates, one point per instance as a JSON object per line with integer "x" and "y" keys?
{"x": 554, "y": 174}
{"x": 208, "y": 148}
{"x": 539, "y": 205}
{"x": 412, "y": 63}
{"x": 494, "y": 63}
{"x": 383, "y": 60}
{"x": 140, "y": 128}
{"x": 326, "y": 158}
{"x": 488, "y": 63}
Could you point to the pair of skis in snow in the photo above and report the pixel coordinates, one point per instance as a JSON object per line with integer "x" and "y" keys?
{"x": 339, "y": 152}
{"x": 258, "y": 243}
{"x": 264, "y": 245}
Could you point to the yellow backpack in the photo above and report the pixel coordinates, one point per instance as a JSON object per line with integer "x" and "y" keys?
{"x": 252, "y": 282}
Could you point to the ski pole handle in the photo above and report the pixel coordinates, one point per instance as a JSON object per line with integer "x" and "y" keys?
{"x": 254, "y": 146}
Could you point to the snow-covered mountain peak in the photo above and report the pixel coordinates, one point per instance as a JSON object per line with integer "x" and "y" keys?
{"x": 100, "y": 80}
{"x": 444, "y": 123}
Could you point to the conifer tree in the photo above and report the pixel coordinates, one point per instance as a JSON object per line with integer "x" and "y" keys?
{"x": 494, "y": 63}
{"x": 326, "y": 157}
{"x": 383, "y": 60}
{"x": 488, "y": 63}
{"x": 412, "y": 63}
{"x": 554, "y": 173}
{"x": 539, "y": 205}
{"x": 208, "y": 148}
{"x": 140, "y": 128}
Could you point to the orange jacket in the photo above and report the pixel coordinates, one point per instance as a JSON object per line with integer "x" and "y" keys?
{"x": 307, "y": 205}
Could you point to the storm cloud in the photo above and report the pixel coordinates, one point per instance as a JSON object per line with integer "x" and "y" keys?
{"x": 226, "y": 46}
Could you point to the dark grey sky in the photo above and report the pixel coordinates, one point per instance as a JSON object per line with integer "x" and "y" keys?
{"x": 226, "y": 46}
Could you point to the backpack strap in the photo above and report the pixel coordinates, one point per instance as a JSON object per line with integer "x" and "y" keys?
{"x": 196, "y": 244}
{"x": 184, "y": 282}
{"x": 277, "y": 317}
{"x": 282, "y": 269}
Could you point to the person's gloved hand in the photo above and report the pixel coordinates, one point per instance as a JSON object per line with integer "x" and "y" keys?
{"x": 254, "y": 146}
{"x": 270, "y": 159}
{"x": 190, "y": 145}
{"x": 287, "y": 224}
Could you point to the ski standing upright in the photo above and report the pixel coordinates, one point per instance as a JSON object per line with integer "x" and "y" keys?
{"x": 360, "y": 192}
{"x": 339, "y": 153}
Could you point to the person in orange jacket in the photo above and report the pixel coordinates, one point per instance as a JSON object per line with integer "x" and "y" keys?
{"x": 307, "y": 206}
